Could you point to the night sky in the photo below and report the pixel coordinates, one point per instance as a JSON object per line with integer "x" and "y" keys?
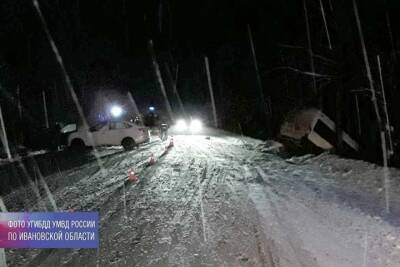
{"x": 104, "y": 45}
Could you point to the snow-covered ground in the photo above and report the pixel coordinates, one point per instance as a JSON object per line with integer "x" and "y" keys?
{"x": 222, "y": 201}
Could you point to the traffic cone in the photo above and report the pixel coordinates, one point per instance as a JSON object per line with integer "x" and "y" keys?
{"x": 132, "y": 175}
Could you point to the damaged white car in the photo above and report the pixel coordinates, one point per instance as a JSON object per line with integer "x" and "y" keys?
{"x": 111, "y": 133}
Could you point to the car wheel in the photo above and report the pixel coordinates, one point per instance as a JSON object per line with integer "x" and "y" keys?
{"x": 77, "y": 145}
{"x": 128, "y": 143}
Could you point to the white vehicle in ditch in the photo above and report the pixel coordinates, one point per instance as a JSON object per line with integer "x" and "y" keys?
{"x": 112, "y": 133}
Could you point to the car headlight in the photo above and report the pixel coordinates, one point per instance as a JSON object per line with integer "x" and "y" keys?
{"x": 196, "y": 126}
{"x": 181, "y": 126}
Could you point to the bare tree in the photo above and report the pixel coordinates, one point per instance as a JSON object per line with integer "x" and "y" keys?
{"x": 376, "y": 108}
{"x": 310, "y": 52}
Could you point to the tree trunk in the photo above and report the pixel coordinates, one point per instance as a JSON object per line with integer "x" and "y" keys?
{"x": 339, "y": 119}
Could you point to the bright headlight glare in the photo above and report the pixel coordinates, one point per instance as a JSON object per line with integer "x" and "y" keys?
{"x": 196, "y": 125}
{"x": 116, "y": 111}
{"x": 181, "y": 125}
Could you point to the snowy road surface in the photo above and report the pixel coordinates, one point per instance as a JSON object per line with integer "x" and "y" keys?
{"x": 221, "y": 201}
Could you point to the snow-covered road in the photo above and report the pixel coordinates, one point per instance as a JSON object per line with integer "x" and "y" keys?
{"x": 219, "y": 201}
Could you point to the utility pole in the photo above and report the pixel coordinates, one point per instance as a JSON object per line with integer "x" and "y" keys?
{"x": 211, "y": 92}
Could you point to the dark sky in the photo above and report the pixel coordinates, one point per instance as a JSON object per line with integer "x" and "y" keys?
{"x": 113, "y": 31}
{"x": 104, "y": 44}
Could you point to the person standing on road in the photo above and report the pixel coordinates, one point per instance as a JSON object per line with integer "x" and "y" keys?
{"x": 163, "y": 131}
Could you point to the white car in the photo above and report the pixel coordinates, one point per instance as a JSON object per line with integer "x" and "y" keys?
{"x": 111, "y": 133}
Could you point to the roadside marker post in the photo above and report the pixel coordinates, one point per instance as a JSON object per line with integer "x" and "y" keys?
{"x": 171, "y": 142}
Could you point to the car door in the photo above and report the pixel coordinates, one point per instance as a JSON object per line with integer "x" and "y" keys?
{"x": 100, "y": 135}
{"x": 97, "y": 131}
{"x": 118, "y": 130}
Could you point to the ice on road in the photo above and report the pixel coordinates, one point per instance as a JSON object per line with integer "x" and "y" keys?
{"x": 221, "y": 201}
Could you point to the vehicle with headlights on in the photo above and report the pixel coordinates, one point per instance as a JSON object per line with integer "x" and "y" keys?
{"x": 111, "y": 133}
{"x": 193, "y": 126}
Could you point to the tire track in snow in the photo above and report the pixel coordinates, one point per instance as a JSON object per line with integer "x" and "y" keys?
{"x": 263, "y": 246}
{"x": 233, "y": 173}
{"x": 172, "y": 158}
{"x": 200, "y": 200}
{"x": 192, "y": 191}
{"x": 301, "y": 257}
